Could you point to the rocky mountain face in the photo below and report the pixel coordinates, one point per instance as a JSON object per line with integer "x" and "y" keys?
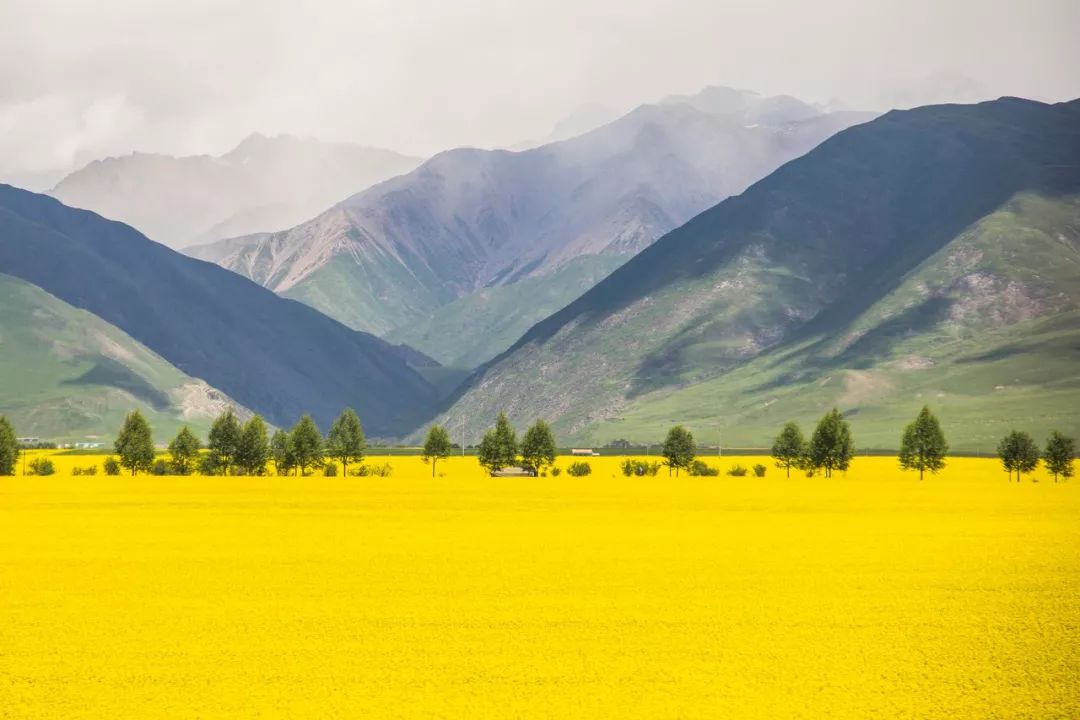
{"x": 264, "y": 184}
{"x": 395, "y": 258}
{"x": 198, "y": 323}
{"x": 929, "y": 256}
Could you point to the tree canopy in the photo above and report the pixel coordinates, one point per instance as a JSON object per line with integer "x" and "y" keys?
{"x": 346, "y": 441}
{"x": 1059, "y": 454}
{"x": 679, "y": 449}
{"x": 538, "y": 447}
{"x": 498, "y": 448}
{"x": 281, "y": 453}
{"x": 135, "y": 444}
{"x": 789, "y": 448}
{"x": 306, "y": 444}
{"x": 253, "y": 450}
{"x": 1018, "y": 454}
{"x": 923, "y": 446}
{"x": 224, "y": 439}
{"x": 9, "y": 448}
{"x": 437, "y": 446}
{"x": 831, "y": 447}
{"x": 184, "y": 449}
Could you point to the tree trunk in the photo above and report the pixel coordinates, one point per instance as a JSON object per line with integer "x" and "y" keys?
{"x": 920, "y": 472}
{"x": 433, "y": 461}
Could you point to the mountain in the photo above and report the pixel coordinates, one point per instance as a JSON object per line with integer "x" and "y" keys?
{"x": 746, "y": 106}
{"x": 931, "y": 256}
{"x": 265, "y": 183}
{"x": 274, "y": 356}
{"x": 394, "y": 259}
{"x": 67, "y": 374}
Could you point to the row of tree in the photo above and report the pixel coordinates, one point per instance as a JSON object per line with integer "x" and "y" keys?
{"x": 500, "y": 448}
{"x": 245, "y": 448}
{"x": 922, "y": 448}
{"x": 1020, "y": 454}
{"x": 831, "y": 447}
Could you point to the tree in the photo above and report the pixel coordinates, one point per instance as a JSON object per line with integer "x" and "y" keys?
{"x": 923, "y": 446}
{"x": 1059, "y": 454}
{"x": 789, "y": 450}
{"x": 506, "y": 445}
{"x": 224, "y": 439}
{"x": 499, "y": 448}
{"x": 831, "y": 447}
{"x": 678, "y": 449}
{"x": 345, "y": 441}
{"x": 1018, "y": 454}
{"x": 538, "y": 447}
{"x": 306, "y": 444}
{"x": 281, "y": 453}
{"x": 9, "y": 448}
{"x": 134, "y": 444}
{"x": 253, "y": 450}
{"x": 436, "y": 446}
{"x": 486, "y": 453}
{"x": 184, "y": 448}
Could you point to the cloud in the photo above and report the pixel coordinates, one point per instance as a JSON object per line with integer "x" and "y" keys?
{"x": 83, "y": 80}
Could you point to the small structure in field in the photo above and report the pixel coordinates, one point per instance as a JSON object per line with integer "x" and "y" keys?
{"x": 512, "y": 471}
{"x": 589, "y": 452}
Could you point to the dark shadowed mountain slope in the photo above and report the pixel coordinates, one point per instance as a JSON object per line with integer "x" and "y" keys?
{"x": 930, "y": 251}
{"x": 66, "y": 374}
{"x": 275, "y": 356}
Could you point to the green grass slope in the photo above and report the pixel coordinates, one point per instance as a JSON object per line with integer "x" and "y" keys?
{"x": 930, "y": 256}
{"x": 65, "y": 374}
{"x": 472, "y": 330}
{"x": 374, "y": 296}
{"x": 986, "y": 332}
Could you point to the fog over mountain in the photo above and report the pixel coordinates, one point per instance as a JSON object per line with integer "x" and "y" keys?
{"x": 84, "y": 81}
{"x": 529, "y": 231}
{"x": 264, "y": 183}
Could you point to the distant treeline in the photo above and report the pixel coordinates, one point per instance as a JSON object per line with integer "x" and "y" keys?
{"x": 248, "y": 448}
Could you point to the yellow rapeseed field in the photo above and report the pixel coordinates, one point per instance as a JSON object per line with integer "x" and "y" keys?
{"x": 870, "y": 595}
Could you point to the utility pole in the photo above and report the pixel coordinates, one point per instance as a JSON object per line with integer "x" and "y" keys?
{"x": 462, "y": 436}
{"x": 719, "y": 441}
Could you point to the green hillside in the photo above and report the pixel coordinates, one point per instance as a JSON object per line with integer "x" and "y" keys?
{"x": 65, "y": 374}
{"x": 470, "y": 331}
{"x": 1001, "y": 348}
{"x": 931, "y": 256}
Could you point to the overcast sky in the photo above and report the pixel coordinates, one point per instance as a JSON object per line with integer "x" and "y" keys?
{"x": 83, "y": 80}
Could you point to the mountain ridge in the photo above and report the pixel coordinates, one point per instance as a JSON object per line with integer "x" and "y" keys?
{"x": 468, "y": 220}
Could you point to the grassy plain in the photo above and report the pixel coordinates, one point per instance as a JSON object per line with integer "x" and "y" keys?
{"x": 869, "y": 595}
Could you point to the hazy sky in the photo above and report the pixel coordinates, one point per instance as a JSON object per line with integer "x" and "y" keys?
{"x": 87, "y": 79}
